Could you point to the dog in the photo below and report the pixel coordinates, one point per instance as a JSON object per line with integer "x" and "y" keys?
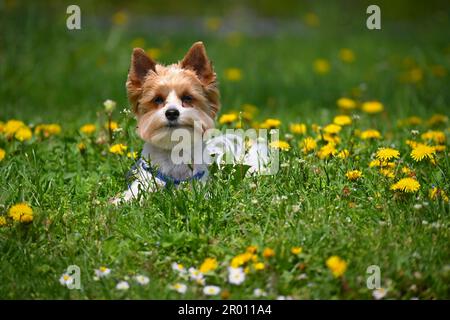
{"x": 176, "y": 100}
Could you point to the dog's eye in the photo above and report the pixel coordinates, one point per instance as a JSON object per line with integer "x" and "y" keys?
{"x": 158, "y": 100}
{"x": 186, "y": 98}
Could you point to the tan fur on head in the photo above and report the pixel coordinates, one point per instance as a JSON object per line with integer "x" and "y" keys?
{"x": 150, "y": 83}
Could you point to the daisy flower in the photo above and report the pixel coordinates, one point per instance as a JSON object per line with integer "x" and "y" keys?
{"x": 386, "y": 154}
{"x": 122, "y": 285}
{"x": 178, "y": 267}
{"x": 196, "y": 275}
{"x": 179, "y": 287}
{"x": 236, "y": 275}
{"x": 102, "y": 272}
{"x": 142, "y": 280}
{"x": 379, "y": 293}
{"x": 409, "y": 185}
{"x": 422, "y": 151}
{"x": 259, "y": 293}
{"x": 211, "y": 290}
{"x": 66, "y": 279}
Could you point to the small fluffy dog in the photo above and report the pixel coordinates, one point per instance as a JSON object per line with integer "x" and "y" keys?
{"x": 181, "y": 97}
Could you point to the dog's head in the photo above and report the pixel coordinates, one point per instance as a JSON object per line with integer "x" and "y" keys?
{"x": 165, "y": 98}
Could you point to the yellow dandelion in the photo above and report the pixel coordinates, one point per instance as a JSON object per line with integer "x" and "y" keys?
{"x": 132, "y": 155}
{"x": 436, "y": 193}
{"x": 259, "y": 266}
{"x": 251, "y": 249}
{"x": 21, "y": 212}
{"x": 2, "y": 154}
{"x": 23, "y": 134}
{"x": 387, "y": 172}
{"x": 337, "y": 266}
{"x": 342, "y": 120}
{"x": 233, "y": 74}
{"x": 436, "y": 136}
{"x": 346, "y": 103}
{"x": 437, "y": 119}
{"x": 386, "y": 154}
{"x": 47, "y": 129}
{"x": 296, "y": 250}
{"x": 370, "y": 134}
{"x": 406, "y": 185}
{"x": 372, "y": 107}
{"x": 268, "y": 253}
{"x": 308, "y": 144}
{"x": 406, "y": 170}
{"x": 120, "y": 18}
{"x": 353, "y": 175}
{"x": 344, "y": 154}
{"x": 118, "y": 149}
{"x": 327, "y": 151}
{"x": 379, "y": 163}
{"x": 228, "y": 118}
{"x": 12, "y": 126}
{"x": 280, "y": 144}
{"x": 113, "y": 126}
{"x": 297, "y": 128}
{"x": 270, "y": 124}
{"x": 241, "y": 259}
{"x": 411, "y": 121}
{"x": 88, "y": 128}
{"x": 81, "y": 147}
{"x": 422, "y": 151}
{"x": 208, "y": 265}
{"x": 321, "y": 66}
{"x": 439, "y": 148}
{"x": 332, "y": 129}
{"x": 3, "y": 221}
{"x": 346, "y": 55}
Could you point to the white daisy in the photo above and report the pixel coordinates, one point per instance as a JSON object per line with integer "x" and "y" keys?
{"x": 122, "y": 285}
{"x": 178, "y": 267}
{"x": 102, "y": 272}
{"x": 142, "y": 280}
{"x": 259, "y": 292}
{"x": 379, "y": 293}
{"x": 179, "y": 287}
{"x": 284, "y": 298}
{"x": 66, "y": 279}
{"x": 236, "y": 275}
{"x": 211, "y": 290}
{"x": 196, "y": 275}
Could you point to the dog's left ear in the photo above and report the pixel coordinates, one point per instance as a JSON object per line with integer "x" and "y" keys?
{"x": 197, "y": 60}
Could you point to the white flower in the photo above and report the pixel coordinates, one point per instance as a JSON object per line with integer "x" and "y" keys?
{"x": 379, "y": 293}
{"x": 196, "y": 275}
{"x": 142, "y": 280}
{"x": 102, "y": 272}
{"x": 109, "y": 105}
{"x": 259, "y": 292}
{"x": 66, "y": 279}
{"x": 122, "y": 285}
{"x": 236, "y": 275}
{"x": 178, "y": 267}
{"x": 284, "y": 298}
{"x": 179, "y": 287}
{"x": 418, "y": 206}
{"x": 211, "y": 290}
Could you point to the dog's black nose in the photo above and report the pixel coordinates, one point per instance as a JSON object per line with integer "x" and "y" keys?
{"x": 172, "y": 114}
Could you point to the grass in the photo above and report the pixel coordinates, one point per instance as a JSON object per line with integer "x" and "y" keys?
{"x": 51, "y": 75}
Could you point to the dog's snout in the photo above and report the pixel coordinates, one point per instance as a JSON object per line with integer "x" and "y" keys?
{"x": 172, "y": 114}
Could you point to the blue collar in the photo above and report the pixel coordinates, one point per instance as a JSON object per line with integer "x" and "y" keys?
{"x": 163, "y": 177}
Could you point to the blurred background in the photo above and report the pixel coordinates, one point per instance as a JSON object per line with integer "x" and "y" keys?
{"x": 292, "y": 59}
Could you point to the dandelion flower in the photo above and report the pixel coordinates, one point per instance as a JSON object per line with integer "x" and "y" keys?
{"x": 118, "y": 149}
{"x": 23, "y": 134}
{"x": 259, "y": 266}
{"x": 321, "y": 66}
{"x": 387, "y": 172}
{"x": 280, "y": 144}
{"x": 336, "y": 265}
{"x": 102, "y": 272}
{"x": 142, "y": 280}
{"x": 122, "y": 285}
{"x": 409, "y": 185}
{"x": 66, "y": 279}
{"x": 370, "y": 134}
{"x": 308, "y": 144}
{"x": 251, "y": 249}
{"x": 332, "y": 129}
{"x": 270, "y": 124}
{"x": 120, "y": 18}
{"x": 297, "y": 128}
{"x": 48, "y": 129}
{"x": 342, "y": 120}
{"x": 344, "y": 154}
{"x": 353, "y": 175}
{"x": 88, "y": 128}
{"x": 179, "y": 287}
{"x": 233, "y": 74}
{"x": 296, "y": 250}
{"x": 436, "y": 136}
{"x": 21, "y": 212}
{"x": 208, "y": 265}
{"x": 422, "y": 151}
{"x": 372, "y": 107}
{"x": 3, "y": 221}
{"x": 112, "y": 125}
{"x": 236, "y": 275}
{"x": 346, "y": 55}
{"x": 211, "y": 290}
{"x": 386, "y": 154}
{"x": 132, "y": 155}
{"x": 437, "y": 119}
{"x": 268, "y": 253}
{"x": 436, "y": 193}
{"x": 12, "y": 126}
{"x": 327, "y": 150}
{"x": 241, "y": 259}
{"x": 2, "y": 154}
{"x": 346, "y": 103}
{"x": 228, "y": 118}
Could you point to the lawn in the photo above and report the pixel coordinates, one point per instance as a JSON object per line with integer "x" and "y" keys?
{"x": 337, "y": 193}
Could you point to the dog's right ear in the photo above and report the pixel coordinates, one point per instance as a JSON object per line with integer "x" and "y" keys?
{"x": 140, "y": 66}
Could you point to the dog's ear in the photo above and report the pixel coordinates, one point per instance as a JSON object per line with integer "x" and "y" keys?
{"x": 197, "y": 60}
{"x": 141, "y": 64}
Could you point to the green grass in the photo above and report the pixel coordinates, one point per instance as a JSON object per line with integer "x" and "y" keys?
{"x": 51, "y": 75}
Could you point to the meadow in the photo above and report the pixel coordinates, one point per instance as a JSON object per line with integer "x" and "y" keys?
{"x": 364, "y": 167}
